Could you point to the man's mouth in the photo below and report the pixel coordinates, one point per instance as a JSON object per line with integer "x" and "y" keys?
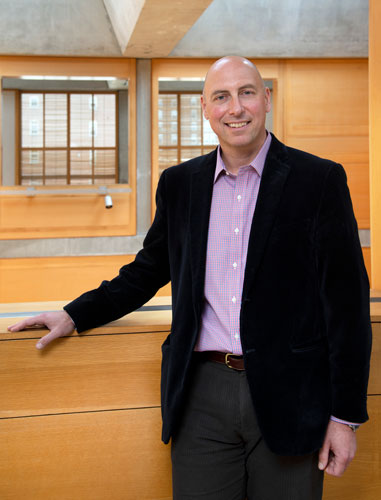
{"x": 237, "y": 124}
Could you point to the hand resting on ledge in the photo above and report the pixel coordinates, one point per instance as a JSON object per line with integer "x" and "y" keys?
{"x": 59, "y": 323}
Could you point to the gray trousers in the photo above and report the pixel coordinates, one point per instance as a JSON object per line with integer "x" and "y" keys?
{"x": 218, "y": 452}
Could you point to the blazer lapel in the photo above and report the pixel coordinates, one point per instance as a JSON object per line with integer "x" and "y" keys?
{"x": 274, "y": 176}
{"x": 200, "y": 201}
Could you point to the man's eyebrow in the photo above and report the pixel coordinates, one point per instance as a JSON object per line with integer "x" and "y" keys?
{"x": 215, "y": 92}
{"x": 246, "y": 86}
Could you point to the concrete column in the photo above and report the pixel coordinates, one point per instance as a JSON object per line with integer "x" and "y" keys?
{"x": 143, "y": 144}
{"x": 374, "y": 139}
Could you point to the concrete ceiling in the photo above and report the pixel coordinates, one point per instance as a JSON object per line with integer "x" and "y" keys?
{"x": 184, "y": 28}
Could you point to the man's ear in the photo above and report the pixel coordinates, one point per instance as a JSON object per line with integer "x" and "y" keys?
{"x": 268, "y": 99}
{"x": 203, "y": 104}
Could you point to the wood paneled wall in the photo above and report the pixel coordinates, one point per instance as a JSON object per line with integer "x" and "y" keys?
{"x": 82, "y": 419}
{"x": 375, "y": 133}
{"x": 57, "y": 278}
{"x": 326, "y": 113}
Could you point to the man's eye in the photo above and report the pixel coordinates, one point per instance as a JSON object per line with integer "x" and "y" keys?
{"x": 247, "y": 92}
{"x": 220, "y": 97}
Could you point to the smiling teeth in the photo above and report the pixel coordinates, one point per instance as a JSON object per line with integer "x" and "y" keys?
{"x": 237, "y": 125}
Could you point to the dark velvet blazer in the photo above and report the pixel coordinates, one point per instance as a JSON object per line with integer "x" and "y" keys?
{"x": 305, "y": 326}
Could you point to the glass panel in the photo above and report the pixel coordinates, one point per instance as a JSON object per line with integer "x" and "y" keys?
{"x": 32, "y": 131}
{"x": 104, "y": 167}
{"x": 81, "y": 165}
{"x": 209, "y": 136}
{"x": 105, "y": 118}
{"x": 188, "y": 153}
{"x": 55, "y": 181}
{"x": 55, "y": 166}
{"x": 190, "y": 119}
{"x": 55, "y": 120}
{"x": 167, "y": 158}
{"x": 168, "y": 120}
{"x": 78, "y": 181}
{"x": 81, "y": 123}
{"x": 31, "y": 167}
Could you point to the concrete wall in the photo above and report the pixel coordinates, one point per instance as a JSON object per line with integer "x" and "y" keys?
{"x": 253, "y": 28}
{"x": 279, "y": 28}
{"x": 8, "y": 141}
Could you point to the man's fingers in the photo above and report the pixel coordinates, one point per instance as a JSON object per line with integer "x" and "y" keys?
{"x": 46, "y": 339}
{"x": 35, "y": 321}
{"x": 336, "y": 466}
{"x": 323, "y": 457}
{"x": 59, "y": 323}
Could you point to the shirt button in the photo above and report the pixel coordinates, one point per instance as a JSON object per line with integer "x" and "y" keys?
{"x": 235, "y": 264}
{"x": 234, "y": 300}
{"x": 236, "y": 336}
{"x": 239, "y": 197}
{"x": 236, "y": 230}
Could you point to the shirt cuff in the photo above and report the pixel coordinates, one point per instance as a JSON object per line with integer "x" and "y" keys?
{"x": 340, "y": 421}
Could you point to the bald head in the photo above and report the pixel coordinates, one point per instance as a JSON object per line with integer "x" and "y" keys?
{"x": 227, "y": 63}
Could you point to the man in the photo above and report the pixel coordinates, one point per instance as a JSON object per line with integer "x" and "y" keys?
{"x": 261, "y": 246}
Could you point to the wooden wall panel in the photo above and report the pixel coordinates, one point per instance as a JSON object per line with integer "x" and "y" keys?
{"x": 366, "y": 255}
{"x": 374, "y": 387}
{"x": 81, "y": 419}
{"x": 81, "y": 373}
{"x": 326, "y": 97}
{"x": 326, "y": 113}
{"x": 53, "y": 216}
{"x": 57, "y": 278}
{"x": 375, "y": 133}
{"x": 85, "y": 456}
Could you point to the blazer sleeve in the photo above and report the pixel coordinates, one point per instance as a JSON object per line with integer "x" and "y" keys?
{"x": 136, "y": 283}
{"x": 344, "y": 296}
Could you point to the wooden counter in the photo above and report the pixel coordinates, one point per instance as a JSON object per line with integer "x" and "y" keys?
{"x": 81, "y": 419}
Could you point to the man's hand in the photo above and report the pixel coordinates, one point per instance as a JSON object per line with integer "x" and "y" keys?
{"x": 338, "y": 449}
{"x": 59, "y": 323}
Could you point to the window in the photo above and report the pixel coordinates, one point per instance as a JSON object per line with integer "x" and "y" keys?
{"x": 68, "y": 138}
{"x": 183, "y": 131}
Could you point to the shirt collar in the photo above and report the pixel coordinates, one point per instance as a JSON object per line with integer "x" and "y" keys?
{"x": 257, "y": 163}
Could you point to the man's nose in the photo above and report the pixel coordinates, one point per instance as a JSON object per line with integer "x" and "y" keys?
{"x": 235, "y": 107}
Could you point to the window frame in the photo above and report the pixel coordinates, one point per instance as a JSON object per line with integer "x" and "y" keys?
{"x": 203, "y": 148}
{"x": 68, "y": 149}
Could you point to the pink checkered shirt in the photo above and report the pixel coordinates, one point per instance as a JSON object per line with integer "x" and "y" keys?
{"x": 233, "y": 204}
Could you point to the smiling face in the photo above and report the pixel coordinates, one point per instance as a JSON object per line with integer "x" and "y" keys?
{"x": 235, "y": 101}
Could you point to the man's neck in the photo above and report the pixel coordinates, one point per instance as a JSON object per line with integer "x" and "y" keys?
{"x": 235, "y": 158}
{"x": 233, "y": 164}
